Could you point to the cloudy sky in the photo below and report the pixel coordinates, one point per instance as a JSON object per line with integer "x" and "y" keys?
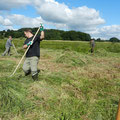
{"x": 99, "y": 18}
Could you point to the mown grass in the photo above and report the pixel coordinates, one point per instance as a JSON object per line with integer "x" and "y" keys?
{"x": 82, "y": 47}
{"x": 73, "y": 84}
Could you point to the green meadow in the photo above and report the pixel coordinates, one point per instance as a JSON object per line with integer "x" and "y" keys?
{"x": 73, "y": 83}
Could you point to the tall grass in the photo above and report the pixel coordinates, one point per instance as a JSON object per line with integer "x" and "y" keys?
{"x": 12, "y": 98}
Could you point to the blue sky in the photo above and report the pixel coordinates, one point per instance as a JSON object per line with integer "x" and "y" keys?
{"x": 28, "y": 11}
{"x": 98, "y": 18}
{"x": 109, "y": 9}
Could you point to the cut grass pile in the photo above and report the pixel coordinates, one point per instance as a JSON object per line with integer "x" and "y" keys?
{"x": 74, "y": 58}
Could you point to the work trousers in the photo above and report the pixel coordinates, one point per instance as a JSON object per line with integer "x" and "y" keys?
{"x": 30, "y": 65}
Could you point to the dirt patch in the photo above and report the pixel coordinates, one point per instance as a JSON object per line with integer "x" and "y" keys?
{"x": 117, "y": 66}
{"x": 11, "y": 59}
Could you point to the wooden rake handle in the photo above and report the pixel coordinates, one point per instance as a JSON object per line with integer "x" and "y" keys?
{"x": 118, "y": 112}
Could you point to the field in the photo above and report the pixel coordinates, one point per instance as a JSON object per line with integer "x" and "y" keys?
{"x": 73, "y": 84}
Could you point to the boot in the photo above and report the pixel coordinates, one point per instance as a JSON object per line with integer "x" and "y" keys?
{"x": 35, "y": 77}
{"x": 38, "y": 70}
{"x": 28, "y": 73}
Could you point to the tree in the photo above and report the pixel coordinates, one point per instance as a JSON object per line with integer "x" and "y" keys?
{"x": 73, "y": 36}
{"x": 114, "y": 39}
{"x": 99, "y": 40}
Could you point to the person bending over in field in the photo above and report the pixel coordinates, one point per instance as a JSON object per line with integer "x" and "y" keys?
{"x": 33, "y": 54}
{"x": 92, "y": 45}
{"x": 8, "y": 46}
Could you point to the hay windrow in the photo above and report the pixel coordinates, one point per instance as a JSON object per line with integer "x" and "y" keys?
{"x": 74, "y": 58}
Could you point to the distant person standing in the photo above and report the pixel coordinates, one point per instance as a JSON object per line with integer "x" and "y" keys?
{"x": 92, "y": 45}
{"x": 8, "y": 46}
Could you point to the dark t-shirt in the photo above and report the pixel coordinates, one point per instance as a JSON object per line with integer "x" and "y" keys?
{"x": 34, "y": 49}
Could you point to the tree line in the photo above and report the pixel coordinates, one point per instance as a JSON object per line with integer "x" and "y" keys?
{"x": 53, "y": 34}
{"x": 113, "y": 39}
{"x": 50, "y": 34}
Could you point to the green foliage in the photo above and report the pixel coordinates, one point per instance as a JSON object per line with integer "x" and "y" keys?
{"x": 114, "y": 39}
{"x": 53, "y": 34}
{"x": 50, "y": 34}
{"x": 73, "y": 36}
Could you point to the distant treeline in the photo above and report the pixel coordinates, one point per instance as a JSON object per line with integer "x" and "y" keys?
{"x": 50, "y": 34}
{"x": 53, "y": 34}
{"x": 113, "y": 39}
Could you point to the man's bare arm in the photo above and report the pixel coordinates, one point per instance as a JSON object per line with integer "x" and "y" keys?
{"x": 42, "y": 35}
{"x": 25, "y": 46}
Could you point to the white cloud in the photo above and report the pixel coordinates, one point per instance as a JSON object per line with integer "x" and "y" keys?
{"x": 1, "y": 20}
{"x": 9, "y": 27}
{"x": 56, "y": 14}
{"x": 24, "y": 21}
{"x": 107, "y": 32}
{"x": 13, "y": 20}
{"x": 5, "y": 21}
{"x": 81, "y": 18}
{"x": 8, "y": 4}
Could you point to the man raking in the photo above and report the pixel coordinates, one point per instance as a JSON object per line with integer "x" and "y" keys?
{"x": 33, "y": 54}
{"x": 92, "y": 45}
{"x": 8, "y": 46}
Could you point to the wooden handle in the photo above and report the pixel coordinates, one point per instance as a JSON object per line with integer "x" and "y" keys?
{"x": 15, "y": 48}
{"x": 118, "y": 112}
